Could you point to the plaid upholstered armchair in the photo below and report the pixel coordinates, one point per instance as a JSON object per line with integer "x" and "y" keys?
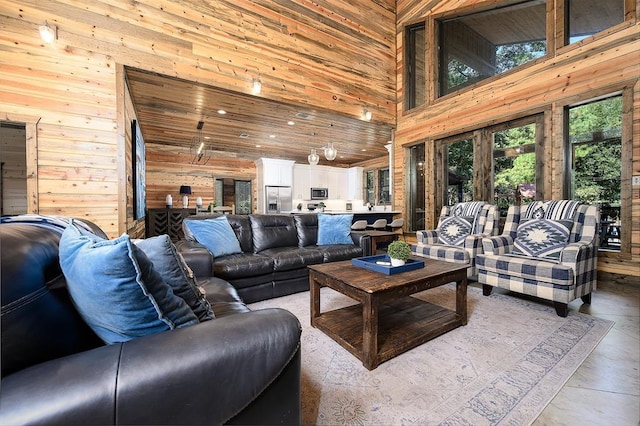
{"x": 547, "y": 249}
{"x": 458, "y": 237}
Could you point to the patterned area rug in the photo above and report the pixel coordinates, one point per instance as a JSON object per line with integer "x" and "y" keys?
{"x": 503, "y": 367}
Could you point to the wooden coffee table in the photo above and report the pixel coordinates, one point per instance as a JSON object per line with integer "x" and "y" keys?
{"x": 387, "y": 321}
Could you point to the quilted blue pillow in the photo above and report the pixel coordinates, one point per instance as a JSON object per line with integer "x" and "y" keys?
{"x": 334, "y": 229}
{"x": 454, "y": 229}
{"x": 542, "y": 238}
{"x": 174, "y": 270}
{"x": 115, "y": 288}
{"x": 215, "y": 234}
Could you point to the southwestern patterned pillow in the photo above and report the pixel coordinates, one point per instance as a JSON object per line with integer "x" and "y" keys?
{"x": 454, "y": 229}
{"x": 542, "y": 238}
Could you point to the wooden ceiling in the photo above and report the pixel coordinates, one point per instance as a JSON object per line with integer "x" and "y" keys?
{"x": 169, "y": 109}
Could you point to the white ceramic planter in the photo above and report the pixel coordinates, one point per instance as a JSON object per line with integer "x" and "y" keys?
{"x": 397, "y": 262}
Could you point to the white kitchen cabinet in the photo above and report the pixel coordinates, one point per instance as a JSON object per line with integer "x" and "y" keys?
{"x": 319, "y": 177}
{"x": 301, "y": 185}
{"x": 337, "y": 183}
{"x": 274, "y": 172}
{"x": 355, "y": 179}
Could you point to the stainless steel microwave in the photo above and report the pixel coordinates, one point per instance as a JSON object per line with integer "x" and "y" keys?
{"x": 319, "y": 193}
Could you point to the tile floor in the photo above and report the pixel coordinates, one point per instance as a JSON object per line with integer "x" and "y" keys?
{"x": 605, "y": 390}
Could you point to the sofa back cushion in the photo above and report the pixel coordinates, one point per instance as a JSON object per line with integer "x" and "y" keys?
{"x": 39, "y": 321}
{"x": 271, "y": 231}
{"x": 307, "y": 229}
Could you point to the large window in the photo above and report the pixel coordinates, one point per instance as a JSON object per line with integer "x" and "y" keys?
{"x": 595, "y": 132}
{"x": 587, "y": 17}
{"x": 415, "y": 66}
{"x": 480, "y": 45}
{"x": 459, "y": 171}
{"x": 416, "y": 187}
{"x": 514, "y": 164}
{"x": 376, "y": 188}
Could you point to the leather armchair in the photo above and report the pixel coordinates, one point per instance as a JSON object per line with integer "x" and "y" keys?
{"x": 242, "y": 367}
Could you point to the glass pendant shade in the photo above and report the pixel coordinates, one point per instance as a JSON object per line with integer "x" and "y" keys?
{"x": 313, "y": 158}
{"x": 330, "y": 152}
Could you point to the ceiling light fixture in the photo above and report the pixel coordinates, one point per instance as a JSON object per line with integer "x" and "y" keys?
{"x": 367, "y": 114}
{"x": 48, "y": 33}
{"x": 199, "y": 152}
{"x": 222, "y": 112}
{"x": 313, "y": 158}
{"x": 256, "y": 86}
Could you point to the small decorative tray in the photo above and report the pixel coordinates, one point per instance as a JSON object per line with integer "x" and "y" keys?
{"x": 370, "y": 262}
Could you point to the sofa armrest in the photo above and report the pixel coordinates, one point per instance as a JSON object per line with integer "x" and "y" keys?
{"x": 499, "y": 244}
{"x": 427, "y": 236}
{"x": 361, "y": 239}
{"x": 197, "y": 256}
{"x": 204, "y": 374}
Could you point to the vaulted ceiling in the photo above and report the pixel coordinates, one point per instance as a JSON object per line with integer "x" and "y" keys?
{"x": 169, "y": 109}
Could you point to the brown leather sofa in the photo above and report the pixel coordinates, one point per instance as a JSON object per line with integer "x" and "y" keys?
{"x": 243, "y": 367}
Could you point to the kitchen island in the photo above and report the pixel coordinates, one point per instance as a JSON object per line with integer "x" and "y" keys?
{"x": 369, "y": 215}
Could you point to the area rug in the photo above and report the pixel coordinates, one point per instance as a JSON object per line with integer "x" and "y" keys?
{"x": 503, "y": 367}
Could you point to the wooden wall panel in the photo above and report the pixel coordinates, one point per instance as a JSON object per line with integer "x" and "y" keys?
{"x": 330, "y": 54}
{"x": 603, "y": 64}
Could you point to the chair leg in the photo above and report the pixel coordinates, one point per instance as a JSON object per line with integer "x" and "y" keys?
{"x": 562, "y": 309}
{"x": 586, "y": 299}
{"x": 486, "y": 289}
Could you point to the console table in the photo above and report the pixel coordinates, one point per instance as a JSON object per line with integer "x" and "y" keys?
{"x": 166, "y": 221}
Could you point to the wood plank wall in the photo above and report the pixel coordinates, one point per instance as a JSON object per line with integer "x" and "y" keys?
{"x": 329, "y": 54}
{"x": 602, "y": 64}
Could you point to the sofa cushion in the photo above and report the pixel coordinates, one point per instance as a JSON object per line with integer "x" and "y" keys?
{"x": 453, "y": 230}
{"x": 173, "y": 269}
{"x": 307, "y": 229}
{"x": 215, "y": 234}
{"x": 116, "y": 289}
{"x": 542, "y": 238}
{"x": 271, "y": 231}
{"x": 334, "y": 229}
{"x": 338, "y": 252}
{"x": 287, "y": 258}
{"x": 525, "y": 268}
{"x": 242, "y": 265}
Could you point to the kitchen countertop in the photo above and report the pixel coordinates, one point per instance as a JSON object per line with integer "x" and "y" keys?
{"x": 347, "y": 211}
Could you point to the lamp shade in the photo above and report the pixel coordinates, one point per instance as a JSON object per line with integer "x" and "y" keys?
{"x": 185, "y": 190}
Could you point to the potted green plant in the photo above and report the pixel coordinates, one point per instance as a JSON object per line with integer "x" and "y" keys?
{"x": 398, "y": 251}
{"x": 321, "y": 206}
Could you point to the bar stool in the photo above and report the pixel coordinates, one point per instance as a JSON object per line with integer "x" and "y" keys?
{"x": 378, "y": 225}
{"x": 359, "y": 225}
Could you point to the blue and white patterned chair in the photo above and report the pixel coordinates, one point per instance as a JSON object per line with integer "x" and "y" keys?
{"x": 547, "y": 249}
{"x": 458, "y": 237}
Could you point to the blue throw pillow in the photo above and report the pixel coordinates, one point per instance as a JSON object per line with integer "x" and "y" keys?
{"x": 334, "y": 229}
{"x": 115, "y": 288}
{"x": 215, "y": 234}
{"x": 174, "y": 270}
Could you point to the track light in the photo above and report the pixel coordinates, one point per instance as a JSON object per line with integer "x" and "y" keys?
{"x": 367, "y": 114}
{"x": 256, "y": 86}
{"x": 48, "y": 33}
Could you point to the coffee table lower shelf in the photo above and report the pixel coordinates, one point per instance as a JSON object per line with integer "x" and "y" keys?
{"x": 403, "y": 324}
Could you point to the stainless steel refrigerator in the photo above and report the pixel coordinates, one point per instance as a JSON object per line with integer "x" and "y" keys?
{"x": 278, "y": 199}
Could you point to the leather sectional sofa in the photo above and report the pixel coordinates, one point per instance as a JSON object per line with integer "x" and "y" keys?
{"x": 242, "y": 367}
{"x": 276, "y": 250}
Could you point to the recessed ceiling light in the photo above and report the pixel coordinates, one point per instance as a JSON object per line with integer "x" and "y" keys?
{"x": 364, "y": 150}
{"x": 221, "y": 111}
{"x": 291, "y": 123}
{"x": 258, "y": 146}
{"x": 207, "y": 137}
{"x": 272, "y": 136}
